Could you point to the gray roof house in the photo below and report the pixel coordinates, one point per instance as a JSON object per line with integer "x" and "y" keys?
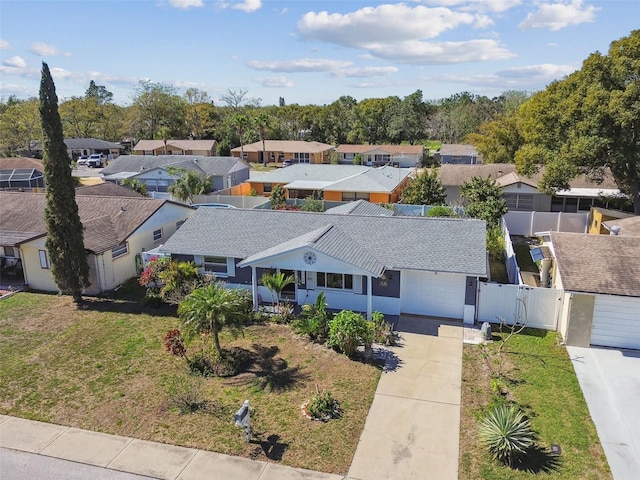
{"x": 414, "y": 265}
{"x": 458, "y": 153}
{"x": 225, "y": 172}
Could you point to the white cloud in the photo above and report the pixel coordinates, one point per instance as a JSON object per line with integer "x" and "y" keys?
{"x": 556, "y": 16}
{"x": 4, "y": 45}
{"x": 545, "y": 71}
{"x": 247, "y": 6}
{"x": 476, "y": 5}
{"x": 61, "y": 73}
{"x": 186, "y": 4}
{"x": 365, "y": 72}
{"x": 384, "y": 23}
{"x": 440, "y": 53}
{"x": 300, "y": 65}
{"x": 20, "y": 91}
{"x": 274, "y": 82}
{"x": 21, "y": 72}
{"x": 16, "y": 61}
{"x": 44, "y": 50}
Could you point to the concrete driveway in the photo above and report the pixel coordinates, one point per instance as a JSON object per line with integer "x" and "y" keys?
{"x": 610, "y": 381}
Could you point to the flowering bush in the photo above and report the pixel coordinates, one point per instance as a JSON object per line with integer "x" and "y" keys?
{"x": 174, "y": 343}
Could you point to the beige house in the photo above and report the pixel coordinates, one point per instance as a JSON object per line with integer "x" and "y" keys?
{"x": 280, "y": 150}
{"x": 116, "y": 231}
{"x": 206, "y": 148}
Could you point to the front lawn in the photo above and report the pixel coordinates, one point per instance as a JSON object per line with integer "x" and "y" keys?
{"x": 104, "y": 367}
{"x": 541, "y": 381}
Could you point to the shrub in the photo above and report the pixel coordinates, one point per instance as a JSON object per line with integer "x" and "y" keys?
{"x": 323, "y": 406}
{"x": 441, "y": 211}
{"x": 152, "y": 299}
{"x": 174, "y": 343}
{"x": 495, "y": 244}
{"x": 506, "y": 433}
{"x": 314, "y": 321}
{"x": 185, "y": 392}
{"x": 347, "y": 330}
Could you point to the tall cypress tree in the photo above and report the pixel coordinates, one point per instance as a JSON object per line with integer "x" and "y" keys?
{"x": 65, "y": 238}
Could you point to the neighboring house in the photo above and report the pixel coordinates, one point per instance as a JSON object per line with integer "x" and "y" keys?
{"x": 225, "y": 172}
{"x": 521, "y": 192}
{"x": 360, "y": 207}
{"x": 340, "y": 183}
{"x": 280, "y": 150}
{"x": 79, "y": 147}
{"x": 457, "y": 154}
{"x": 116, "y": 230}
{"x": 21, "y": 173}
{"x": 107, "y": 189}
{"x": 600, "y": 278}
{"x": 412, "y": 265}
{"x": 600, "y": 217}
{"x": 375, "y": 155}
{"x": 204, "y": 148}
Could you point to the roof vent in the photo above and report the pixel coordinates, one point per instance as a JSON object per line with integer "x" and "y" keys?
{"x": 614, "y": 230}
{"x": 122, "y": 209}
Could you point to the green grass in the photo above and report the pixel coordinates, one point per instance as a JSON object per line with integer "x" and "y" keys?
{"x": 541, "y": 380}
{"x": 103, "y": 367}
{"x": 523, "y": 257}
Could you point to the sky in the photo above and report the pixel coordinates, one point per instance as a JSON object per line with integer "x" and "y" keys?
{"x": 305, "y": 51}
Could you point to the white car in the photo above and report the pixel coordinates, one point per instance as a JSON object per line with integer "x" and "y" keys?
{"x": 97, "y": 160}
{"x": 82, "y": 160}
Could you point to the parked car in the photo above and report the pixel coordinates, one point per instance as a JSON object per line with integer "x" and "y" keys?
{"x": 97, "y": 160}
{"x": 287, "y": 163}
{"x": 82, "y": 160}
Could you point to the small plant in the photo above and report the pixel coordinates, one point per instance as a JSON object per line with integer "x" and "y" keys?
{"x": 347, "y": 330}
{"x": 314, "y": 321}
{"x": 174, "y": 343}
{"x": 323, "y": 406}
{"x": 185, "y": 392}
{"x": 506, "y": 433}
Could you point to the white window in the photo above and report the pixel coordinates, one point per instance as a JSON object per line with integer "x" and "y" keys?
{"x": 302, "y": 157}
{"x": 215, "y": 265}
{"x": 9, "y": 252}
{"x": 337, "y": 281}
{"x": 266, "y": 187}
{"x": 157, "y": 235}
{"x": 120, "y": 250}
{"x": 44, "y": 261}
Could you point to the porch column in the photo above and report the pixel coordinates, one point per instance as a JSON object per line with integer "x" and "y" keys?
{"x": 254, "y": 288}
{"x": 369, "y": 298}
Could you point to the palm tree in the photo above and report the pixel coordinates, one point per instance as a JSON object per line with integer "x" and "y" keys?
{"x": 209, "y": 310}
{"x": 276, "y": 282}
{"x": 263, "y": 121}
{"x": 242, "y": 123}
{"x": 188, "y": 184}
{"x": 136, "y": 185}
{"x": 163, "y": 133}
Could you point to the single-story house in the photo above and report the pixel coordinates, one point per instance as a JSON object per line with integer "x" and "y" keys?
{"x": 204, "y": 148}
{"x": 600, "y": 219}
{"x": 21, "y": 173}
{"x": 340, "y": 183}
{"x": 375, "y": 155}
{"x": 521, "y": 192}
{"x": 412, "y": 265}
{"x": 457, "y": 154}
{"x": 297, "y": 151}
{"x": 600, "y": 278}
{"x": 225, "y": 172}
{"x": 116, "y": 231}
{"x": 361, "y": 207}
{"x": 625, "y": 227}
{"x": 107, "y": 189}
{"x": 78, "y": 147}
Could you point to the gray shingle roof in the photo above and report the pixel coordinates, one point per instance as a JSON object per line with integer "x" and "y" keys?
{"x": 360, "y": 207}
{"x": 435, "y": 244}
{"x": 90, "y": 143}
{"x": 607, "y": 264}
{"x": 629, "y": 227}
{"x": 214, "y": 166}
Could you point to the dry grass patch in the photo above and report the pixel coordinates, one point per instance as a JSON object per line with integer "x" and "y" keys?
{"x": 103, "y": 367}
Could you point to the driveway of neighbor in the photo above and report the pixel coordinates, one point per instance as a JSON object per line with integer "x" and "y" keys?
{"x": 412, "y": 430}
{"x": 610, "y": 381}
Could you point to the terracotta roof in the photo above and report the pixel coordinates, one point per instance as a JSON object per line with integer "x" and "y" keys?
{"x": 606, "y": 264}
{"x": 107, "y": 189}
{"x": 285, "y": 146}
{"x": 181, "y": 144}
{"x": 391, "y": 149}
{"x": 629, "y": 227}
{"x": 21, "y": 162}
{"x": 108, "y": 221}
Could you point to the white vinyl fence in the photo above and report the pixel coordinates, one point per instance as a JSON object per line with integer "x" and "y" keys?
{"x": 528, "y": 223}
{"x": 499, "y": 301}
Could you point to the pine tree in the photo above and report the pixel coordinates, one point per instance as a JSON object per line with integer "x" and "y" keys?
{"x": 65, "y": 239}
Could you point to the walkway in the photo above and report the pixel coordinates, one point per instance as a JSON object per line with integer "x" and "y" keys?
{"x": 412, "y": 430}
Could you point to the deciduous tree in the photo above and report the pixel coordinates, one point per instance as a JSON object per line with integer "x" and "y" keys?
{"x": 425, "y": 189}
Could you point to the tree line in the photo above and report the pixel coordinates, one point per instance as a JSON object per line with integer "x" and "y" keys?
{"x": 158, "y": 111}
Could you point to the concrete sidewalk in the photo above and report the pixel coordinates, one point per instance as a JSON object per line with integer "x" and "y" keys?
{"x": 412, "y": 430}
{"x": 155, "y": 460}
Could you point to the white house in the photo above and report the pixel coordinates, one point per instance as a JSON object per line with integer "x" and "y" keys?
{"x": 116, "y": 231}
{"x": 413, "y": 265}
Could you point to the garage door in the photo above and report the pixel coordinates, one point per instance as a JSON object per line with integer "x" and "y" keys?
{"x": 616, "y": 322}
{"x": 428, "y": 293}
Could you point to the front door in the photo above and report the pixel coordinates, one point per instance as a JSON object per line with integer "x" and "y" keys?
{"x": 289, "y": 292}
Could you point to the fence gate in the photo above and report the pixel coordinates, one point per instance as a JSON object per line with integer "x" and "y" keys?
{"x": 510, "y": 302}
